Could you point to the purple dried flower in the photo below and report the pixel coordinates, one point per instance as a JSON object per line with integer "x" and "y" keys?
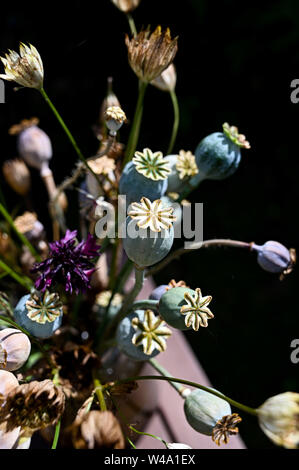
{"x": 68, "y": 263}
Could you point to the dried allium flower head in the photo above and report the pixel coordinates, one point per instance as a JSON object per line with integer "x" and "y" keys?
{"x": 151, "y": 53}
{"x": 32, "y": 406}
{"x": 167, "y": 80}
{"x": 68, "y": 263}
{"x": 97, "y": 430}
{"x": 25, "y": 68}
{"x": 232, "y": 133}
{"x": 186, "y": 165}
{"x": 152, "y": 214}
{"x": 226, "y": 427}
{"x": 279, "y": 419}
{"x": 22, "y": 125}
{"x": 126, "y": 5}
{"x": 152, "y": 165}
{"x": 44, "y": 308}
{"x": 151, "y": 333}
{"x": 17, "y": 176}
{"x": 102, "y": 165}
{"x": 114, "y": 117}
{"x": 197, "y": 311}
{"x": 28, "y": 225}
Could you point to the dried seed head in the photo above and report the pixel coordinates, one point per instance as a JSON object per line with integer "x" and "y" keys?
{"x": 186, "y": 165}
{"x": 126, "y": 5}
{"x": 28, "y": 225}
{"x": 167, "y": 80}
{"x": 152, "y": 215}
{"x": 172, "y": 284}
{"x": 196, "y": 310}
{"x": 34, "y": 145}
{"x": 17, "y": 176}
{"x": 43, "y": 308}
{"x": 15, "y": 347}
{"x": 151, "y": 333}
{"x": 152, "y": 165}
{"x": 226, "y": 427}
{"x": 149, "y": 54}
{"x": 279, "y": 419}
{"x": 97, "y": 430}
{"x": 103, "y": 299}
{"x": 32, "y": 406}
{"x": 25, "y": 68}
{"x": 102, "y": 165}
{"x": 114, "y": 117}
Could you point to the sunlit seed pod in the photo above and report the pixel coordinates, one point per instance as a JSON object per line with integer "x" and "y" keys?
{"x": 157, "y": 293}
{"x": 16, "y": 347}
{"x": 17, "y": 176}
{"x": 8, "y": 382}
{"x": 273, "y": 256}
{"x": 35, "y": 147}
{"x": 203, "y": 410}
{"x": 170, "y": 306}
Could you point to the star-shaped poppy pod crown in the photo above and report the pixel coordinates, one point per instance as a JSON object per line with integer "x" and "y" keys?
{"x": 196, "y": 310}
{"x": 152, "y": 215}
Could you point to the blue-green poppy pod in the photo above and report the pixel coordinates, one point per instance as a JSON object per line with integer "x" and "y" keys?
{"x": 218, "y": 155}
{"x": 149, "y": 232}
{"x": 146, "y": 175}
{"x": 39, "y": 314}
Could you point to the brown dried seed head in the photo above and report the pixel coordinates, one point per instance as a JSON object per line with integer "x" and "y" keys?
{"x": 226, "y": 427}
{"x": 33, "y": 406}
{"x": 17, "y": 176}
{"x": 151, "y": 53}
{"x": 97, "y": 430}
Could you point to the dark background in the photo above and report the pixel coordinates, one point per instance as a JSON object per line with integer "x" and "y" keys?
{"x": 235, "y": 63}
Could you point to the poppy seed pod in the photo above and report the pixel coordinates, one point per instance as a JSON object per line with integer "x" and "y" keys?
{"x": 218, "y": 155}
{"x": 203, "y": 410}
{"x": 40, "y": 316}
{"x": 141, "y": 335}
{"x": 16, "y": 348}
{"x": 147, "y": 247}
{"x": 17, "y": 176}
{"x": 35, "y": 147}
{"x": 274, "y": 257}
{"x": 8, "y": 382}
{"x": 158, "y": 292}
{"x": 170, "y": 306}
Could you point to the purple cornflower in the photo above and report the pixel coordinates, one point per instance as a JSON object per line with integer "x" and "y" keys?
{"x": 68, "y": 263}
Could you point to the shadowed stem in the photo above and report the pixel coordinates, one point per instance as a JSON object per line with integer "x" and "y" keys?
{"x": 176, "y": 121}
{"x": 131, "y": 24}
{"x": 22, "y": 280}
{"x": 22, "y": 238}
{"x": 135, "y": 129}
{"x": 99, "y": 394}
{"x": 68, "y": 133}
{"x": 56, "y": 435}
{"x": 205, "y": 244}
{"x": 155, "y": 364}
{"x": 234, "y": 403}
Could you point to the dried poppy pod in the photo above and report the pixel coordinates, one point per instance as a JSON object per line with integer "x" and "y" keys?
{"x": 15, "y": 349}
{"x": 8, "y": 382}
{"x": 17, "y": 176}
{"x": 30, "y": 226}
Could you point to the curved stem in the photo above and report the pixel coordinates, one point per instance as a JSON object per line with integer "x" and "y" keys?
{"x": 155, "y": 364}
{"x": 68, "y": 133}
{"x": 176, "y": 121}
{"x": 135, "y": 129}
{"x": 22, "y": 238}
{"x": 205, "y": 244}
{"x": 234, "y": 403}
{"x": 145, "y": 304}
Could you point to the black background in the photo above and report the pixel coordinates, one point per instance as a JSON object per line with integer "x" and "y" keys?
{"x": 235, "y": 63}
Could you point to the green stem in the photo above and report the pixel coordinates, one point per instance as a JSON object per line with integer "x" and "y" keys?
{"x": 68, "y": 133}
{"x": 23, "y": 281}
{"x": 135, "y": 129}
{"x": 132, "y": 24}
{"x": 176, "y": 121}
{"x": 100, "y": 395}
{"x": 145, "y": 305}
{"x": 22, "y": 238}
{"x": 155, "y": 364}
{"x": 234, "y": 403}
{"x": 205, "y": 244}
{"x": 56, "y": 435}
